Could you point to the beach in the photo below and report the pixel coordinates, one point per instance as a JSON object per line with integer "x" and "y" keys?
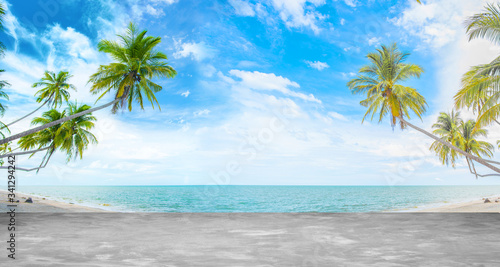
{"x": 41, "y": 204}
{"x": 51, "y": 233}
{"x": 470, "y": 206}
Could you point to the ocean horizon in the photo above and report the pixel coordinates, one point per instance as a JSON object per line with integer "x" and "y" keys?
{"x": 261, "y": 198}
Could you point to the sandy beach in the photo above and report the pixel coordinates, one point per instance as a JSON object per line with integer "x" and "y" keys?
{"x": 469, "y": 206}
{"x": 50, "y": 233}
{"x": 41, "y": 204}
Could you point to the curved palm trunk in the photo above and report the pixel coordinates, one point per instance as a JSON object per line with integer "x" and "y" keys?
{"x": 477, "y": 174}
{"x": 33, "y": 169}
{"x": 48, "y": 125}
{"x": 24, "y": 152}
{"x": 23, "y": 169}
{"x": 468, "y": 164}
{"x": 27, "y": 115}
{"x": 456, "y": 149}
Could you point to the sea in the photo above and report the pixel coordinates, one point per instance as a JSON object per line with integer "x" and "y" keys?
{"x": 262, "y": 198}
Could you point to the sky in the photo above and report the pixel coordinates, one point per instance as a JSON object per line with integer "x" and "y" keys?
{"x": 260, "y": 97}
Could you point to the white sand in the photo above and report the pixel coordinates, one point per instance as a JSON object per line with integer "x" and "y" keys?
{"x": 470, "y": 206}
{"x": 41, "y": 204}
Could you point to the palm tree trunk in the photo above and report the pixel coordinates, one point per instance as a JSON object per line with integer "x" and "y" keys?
{"x": 27, "y": 115}
{"x": 20, "y": 169}
{"x": 24, "y": 152}
{"x": 33, "y": 169}
{"x": 468, "y": 164}
{"x": 456, "y": 149}
{"x": 477, "y": 174}
{"x": 45, "y": 126}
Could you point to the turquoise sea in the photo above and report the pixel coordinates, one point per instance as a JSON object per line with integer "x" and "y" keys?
{"x": 261, "y": 198}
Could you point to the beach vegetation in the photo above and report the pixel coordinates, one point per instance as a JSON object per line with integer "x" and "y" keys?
{"x": 381, "y": 84}
{"x": 130, "y": 78}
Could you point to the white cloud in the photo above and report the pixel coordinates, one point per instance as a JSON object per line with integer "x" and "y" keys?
{"x": 317, "y": 65}
{"x": 208, "y": 70}
{"x": 269, "y": 81}
{"x": 437, "y": 22}
{"x": 156, "y": 12}
{"x": 351, "y": 3}
{"x": 374, "y": 41}
{"x": 337, "y": 116}
{"x": 186, "y": 94}
{"x": 201, "y": 113}
{"x": 242, "y": 8}
{"x": 347, "y": 75}
{"x": 197, "y": 51}
{"x": 342, "y": 21}
{"x": 295, "y": 14}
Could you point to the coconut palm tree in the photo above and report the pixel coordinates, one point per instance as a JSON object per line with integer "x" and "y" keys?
{"x": 45, "y": 140}
{"x": 481, "y": 84}
{"x": 467, "y": 141}
{"x": 72, "y": 137}
{"x": 447, "y": 127}
{"x": 55, "y": 89}
{"x": 137, "y": 64}
{"x": 129, "y": 78}
{"x": 380, "y": 83}
{"x": 75, "y": 134}
{"x": 453, "y": 129}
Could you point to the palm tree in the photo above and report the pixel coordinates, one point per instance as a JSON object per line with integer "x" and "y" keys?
{"x": 137, "y": 63}
{"x": 54, "y": 91}
{"x": 72, "y": 137}
{"x": 381, "y": 83}
{"x": 75, "y": 134}
{"x": 451, "y": 128}
{"x": 469, "y": 131}
{"x": 380, "y": 80}
{"x": 481, "y": 84}
{"x": 47, "y": 139}
{"x": 447, "y": 127}
{"x": 130, "y": 78}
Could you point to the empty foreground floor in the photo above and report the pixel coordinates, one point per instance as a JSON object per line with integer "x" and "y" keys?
{"x": 204, "y": 239}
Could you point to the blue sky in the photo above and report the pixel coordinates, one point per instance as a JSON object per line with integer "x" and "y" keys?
{"x": 260, "y": 96}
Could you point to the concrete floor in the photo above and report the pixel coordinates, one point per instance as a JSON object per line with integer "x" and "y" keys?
{"x": 254, "y": 239}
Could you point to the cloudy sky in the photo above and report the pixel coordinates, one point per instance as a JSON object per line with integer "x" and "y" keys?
{"x": 260, "y": 96}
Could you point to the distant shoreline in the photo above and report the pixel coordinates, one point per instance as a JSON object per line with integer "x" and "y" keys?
{"x": 41, "y": 204}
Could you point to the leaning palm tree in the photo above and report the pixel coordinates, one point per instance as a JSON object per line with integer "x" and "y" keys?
{"x": 481, "y": 84}
{"x": 380, "y": 83}
{"x": 55, "y": 90}
{"x": 72, "y": 137}
{"x": 129, "y": 78}
{"x": 469, "y": 132}
{"x": 447, "y": 127}
{"x": 75, "y": 135}
{"x": 46, "y": 140}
